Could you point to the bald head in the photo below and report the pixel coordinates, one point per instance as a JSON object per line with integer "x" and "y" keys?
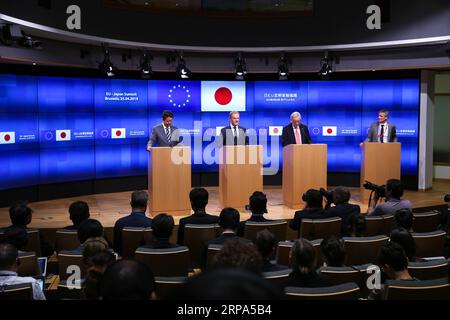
{"x": 8, "y": 257}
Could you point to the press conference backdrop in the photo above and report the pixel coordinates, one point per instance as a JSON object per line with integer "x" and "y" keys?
{"x": 55, "y": 129}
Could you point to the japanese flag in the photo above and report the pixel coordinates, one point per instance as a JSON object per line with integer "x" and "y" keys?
{"x": 62, "y": 135}
{"x": 7, "y": 137}
{"x": 329, "y": 131}
{"x": 118, "y": 133}
{"x": 218, "y": 130}
{"x": 219, "y": 96}
{"x": 275, "y": 130}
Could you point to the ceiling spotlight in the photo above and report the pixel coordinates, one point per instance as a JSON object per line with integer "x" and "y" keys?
{"x": 106, "y": 67}
{"x": 240, "y": 67}
{"x": 326, "y": 66}
{"x": 283, "y": 70}
{"x": 182, "y": 71}
{"x": 146, "y": 68}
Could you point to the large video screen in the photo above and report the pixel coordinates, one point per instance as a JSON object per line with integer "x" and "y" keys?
{"x": 55, "y": 129}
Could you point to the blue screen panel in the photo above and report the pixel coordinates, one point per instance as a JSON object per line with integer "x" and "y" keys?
{"x": 18, "y": 94}
{"x": 19, "y": 167}
{"x": 120, "y": 95}
{"x": 120, "y": 160}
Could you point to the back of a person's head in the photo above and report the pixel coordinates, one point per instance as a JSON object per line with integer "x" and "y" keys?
{"x": 393, "y": 255}
{"x": 358, "y": 226}
{"x": 333, "y": 251}
{"x": 90, "y": 228}
{"x": 92, "y": 246}
{"x": 8, "y": 256}
{"x": 95, "y": 267}
{"x": 229, "y": 218}
{"x": 20, "y": 213}
{"x": 395, "y": 188}
{"x": 258, "y": 202}
{"x": 15, "y": 235}
{"x": 226, "y": 284}
{"x": 303, "y": 257}
{"x": 139, "y": 199}
{"x": 265, "y": 242}
{"x": 162, "y": 226}
{"x": 406, "y": 240}
{"x": 404, "y": 218}
{"x": 341, "y": 195}
{"x": 237, "y": 253}
{"x": 313, "y": 198}
{"x": 198, "y": 198}
{"x": 127, "y": 280}
{"x": 79, "y": 211}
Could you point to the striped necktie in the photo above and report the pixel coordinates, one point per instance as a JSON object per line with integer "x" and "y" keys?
{"x": 168, "y": 134}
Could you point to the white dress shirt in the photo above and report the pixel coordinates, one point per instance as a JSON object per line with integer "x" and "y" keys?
{"x": 385, "y": 132}
{"x": 8, "y": 278}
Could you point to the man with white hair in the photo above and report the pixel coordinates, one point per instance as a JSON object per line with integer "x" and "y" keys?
{"x": 295, "y": 132}
{"x": 233, "y": 134}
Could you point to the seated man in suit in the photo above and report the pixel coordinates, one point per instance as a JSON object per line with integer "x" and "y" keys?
{"x": 233, "y": 134}
{"x": 229, "y": 222}
{"x": 162, "y": 226}
{"x": 137, "y": 218}
{"x": 199, "y": 200}
{"x": 394, "y": 192}
{"x": 266, "y": 243}
{"x": 343, "y": 209}
{"x": 164, "y": 134}
{"x": 78, "y": 212}
{"x": 295, "y": 132}
{"x": 258, "y": 206}
{"x": 382, "y": 131}
{"x": 313, "y": 209}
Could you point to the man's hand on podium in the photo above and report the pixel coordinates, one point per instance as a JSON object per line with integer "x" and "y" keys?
{"x": 149, "y": 149}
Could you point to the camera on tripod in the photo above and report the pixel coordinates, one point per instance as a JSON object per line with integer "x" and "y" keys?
{"x": 380, "y": 191}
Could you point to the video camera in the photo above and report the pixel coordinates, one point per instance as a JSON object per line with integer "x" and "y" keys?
{"x": 328, "y": 195}
{"x": 380, "y": 191}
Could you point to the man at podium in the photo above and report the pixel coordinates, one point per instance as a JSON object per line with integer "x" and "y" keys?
{"x": 164, "y": 134}
{"x": 295, "y": 132}
{"x": 382, "y": 131}
{"x": 233, "y": 134}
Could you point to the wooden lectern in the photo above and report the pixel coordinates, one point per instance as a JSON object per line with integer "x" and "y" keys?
{"x": 304, "y": 167}
{"x": 169, "y": 180}
{"x": 379, "y": 162}
{"x": 240, "y": 174}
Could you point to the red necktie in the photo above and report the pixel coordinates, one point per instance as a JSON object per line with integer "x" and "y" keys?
{"x": 298, "y": 137}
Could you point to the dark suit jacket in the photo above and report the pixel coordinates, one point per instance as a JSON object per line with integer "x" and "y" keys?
{"x": 196, "y": 218}
{"x": 271, "y": 267}
{"x": 253, "y": 218}
{"x": 135, "y": 219}
{"x": 225, "y": 237}
{"x": 311, "y": 280}
{"x": 373, "y": 133}
{"x": 288, "y": 135}
{"x": 227, "y": 137}
{"x": 346, "y": 212}
{"x": 296, "y": 223}
{"x": 160, "y": 244}
{"x": 159, "y": 137}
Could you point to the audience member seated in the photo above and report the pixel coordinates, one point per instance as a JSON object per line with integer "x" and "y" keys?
{"x": 394, "y": 192}
{"x": 162, "y": 226}
{"x": 258, "y": 206}
{"x": 229, "y": 222}
{"x": 9, "y": 264}
{"x": 90, "y": 228}
{"x": 137, "y": 218}
{"x": 266, "y": 244}
{"x": 394, "y": 263}
{"x": 333, "y": 252}
{"x": 21, "y": 215}
{"x": 304, "y": 264}
{"x": 226, "y": 284}
{"x": 313, "y": 209}
{"x": 78, "y": 212}
{"x": 127, "y": 280}
{"x": 17, "y": 236}
{"x": 239, "y": 254}
{"x": 404, "y": 219}
{"x": 342, "y": 209}
{"x": 96, "y": 257}
{"x": 358, "y": 226}
{"x": 402, "y": 237}
{"x": 199, "y": 200}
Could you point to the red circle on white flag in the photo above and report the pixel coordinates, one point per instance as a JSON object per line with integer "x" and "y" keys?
{"x": 329, "y": 130}
{"x": 118, "y": 133}
{"x": 7, "y": 137}
{"x": 223, "y": 96}
{"x": 63, "y": 135}
{"x": 275, "y": 130}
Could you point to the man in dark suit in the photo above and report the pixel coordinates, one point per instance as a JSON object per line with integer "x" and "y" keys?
{"x": 229, "y": 222}
{"x": 258, "y": 206}
{"x": 295, "y": 132}
{"x": 233, "y": 134}
{"x": 162, "y": 226}
{"x": 344, "y": 210}
{"x": 137, "y": 218}
{"x": 382, "y": 131}
{"x": 199, "y": 200}
{"x": 164, "y": 134}
{"x": 313, "y": 209}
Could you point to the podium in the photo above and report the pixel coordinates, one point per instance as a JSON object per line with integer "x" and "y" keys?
{"x": 379, "y": 162}
{"x": 304, "y": 167}
{"x": 240, "y": 174}
{"x": 169, "y": 180}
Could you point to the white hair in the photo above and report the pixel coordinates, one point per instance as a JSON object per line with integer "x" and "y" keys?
{"x": 295, "y": 114}
{"x": 233, "y": 112}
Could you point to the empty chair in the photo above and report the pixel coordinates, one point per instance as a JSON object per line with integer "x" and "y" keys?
{"x": 340, "y": 275}
{"x": 213, "y": 250}
{"x": 132, "y": 238}
{"x": 196, "y": 237}
{"x": 70, "y": 291}
{"x": 426, "y": 221}
{"x": 312, "y": 229}
{"x": 66, "y": 240}
{"x": 284, "y": 247}
{"x": 165, "y": 285}
{"x": 277, "y": 277}
{"x": 438, "y": 289}
{"x": 278, "y": 228}
{"x": 379, "y": 225}
{"x": 429, "y": 270}
{"x": 67, "y": 259}
{"x": 28, "y": 265}
{"x": 165, "y": 262}
{"x": 22, "y": 291}
{"x": 33, "y": 243}
{"x": 346, "y": 291}
{"x": 430, "y": 244}
{"x": 362, "y": 250}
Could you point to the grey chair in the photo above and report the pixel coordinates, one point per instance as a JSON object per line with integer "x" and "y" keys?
{"x": 196, "y": 236}
{"x": 132, "y": 238}
{"x": 429, "y": 270}
{"x": 166, "y": 285}
{"x": 346, "y": 291}
{"x": 438, "y": 289}
{"x": 23, "y": 291}
{"x": 426, "y": 221}
{"x": 66, "y": 240}
{"x": 430, "y": 244}
{"x": 278, "y": 228}
{"x": 166, "y": 262}
{"x": 362, "y": 250}
{"x": 312, "y": 229}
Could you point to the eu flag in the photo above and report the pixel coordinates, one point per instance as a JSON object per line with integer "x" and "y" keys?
{"x": 174, "y": 96}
